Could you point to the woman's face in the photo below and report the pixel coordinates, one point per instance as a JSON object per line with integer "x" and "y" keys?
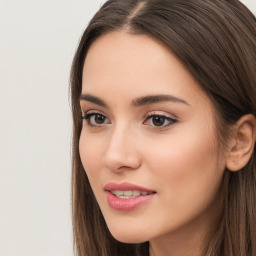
{"x": 148, "y": 142}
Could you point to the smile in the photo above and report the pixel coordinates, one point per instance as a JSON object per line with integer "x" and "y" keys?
{"x": 126, "y": 196}
{"x": 129, "y": 193}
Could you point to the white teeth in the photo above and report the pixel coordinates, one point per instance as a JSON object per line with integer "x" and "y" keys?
{"x": 136, "y": 193}
{"x": 129, "y": 193}
{"x": 119, "y": 193}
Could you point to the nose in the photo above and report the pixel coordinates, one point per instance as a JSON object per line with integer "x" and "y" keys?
{"x": 122, "y": 152}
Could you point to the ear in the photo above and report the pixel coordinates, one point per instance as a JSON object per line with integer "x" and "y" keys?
{"x": 241, "y": 144}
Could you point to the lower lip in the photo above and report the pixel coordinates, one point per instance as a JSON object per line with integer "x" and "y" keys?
{"x": 129, "y": 204}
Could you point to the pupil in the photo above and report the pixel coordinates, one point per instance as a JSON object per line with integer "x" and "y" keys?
{"x": 158, "y": 120}
{"x": 99, "y": 119}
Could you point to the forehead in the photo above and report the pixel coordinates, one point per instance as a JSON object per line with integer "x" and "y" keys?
{"x": 122, "y": 64}
{"x": 123, "y": 57}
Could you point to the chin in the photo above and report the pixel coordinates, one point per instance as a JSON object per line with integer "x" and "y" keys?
{"x": 128, "y": 236}
{"x": 128, "y": 239}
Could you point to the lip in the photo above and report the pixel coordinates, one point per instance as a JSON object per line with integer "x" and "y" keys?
{"x": 129, "y": 204}
{"x": 125, "y": 186}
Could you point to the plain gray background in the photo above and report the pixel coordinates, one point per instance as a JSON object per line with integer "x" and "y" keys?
{"x": 37, "y": 41}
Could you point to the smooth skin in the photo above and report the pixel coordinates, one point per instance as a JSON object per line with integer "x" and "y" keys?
{"x": 168, "y": 146}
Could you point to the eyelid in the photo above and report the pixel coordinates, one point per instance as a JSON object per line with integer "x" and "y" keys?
{"x": 91, "y": 111}
{"x": 167, "y": 116}
{"x": 161, "y": 113}
{"x": 86, "y": 115}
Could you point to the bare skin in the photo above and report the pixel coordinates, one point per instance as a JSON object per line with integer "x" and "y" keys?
{"x": 165, "y": 143}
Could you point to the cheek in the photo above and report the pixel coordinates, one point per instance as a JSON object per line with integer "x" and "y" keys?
{"x": 89, "y": 150}
{"x": 186, "y": 165}
{"x": 90, "y": 154}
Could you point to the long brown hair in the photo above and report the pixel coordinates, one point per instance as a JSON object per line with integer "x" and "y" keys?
{"x": 216, "y": 41}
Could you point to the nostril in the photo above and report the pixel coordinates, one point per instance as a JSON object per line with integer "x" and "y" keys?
{"x": 121, "y": 151}
{"x": 121, "y": 161}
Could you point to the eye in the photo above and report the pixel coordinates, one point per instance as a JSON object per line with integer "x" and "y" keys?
{"x": 95, "y": 119}
{"x": 160, "y": 121}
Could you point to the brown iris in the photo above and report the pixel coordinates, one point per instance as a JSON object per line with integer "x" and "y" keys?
{"x": 158, "y": 120}
{"x": 99, "y": 119}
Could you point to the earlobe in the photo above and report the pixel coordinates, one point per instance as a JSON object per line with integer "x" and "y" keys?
{"x": 241, "y": 143}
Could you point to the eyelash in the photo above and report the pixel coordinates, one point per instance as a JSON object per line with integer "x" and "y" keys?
{"x": 170, "y": 121}
{"x": 90, "y": 114}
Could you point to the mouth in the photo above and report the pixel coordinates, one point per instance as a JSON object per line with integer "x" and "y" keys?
{"x": 126, "y": 196}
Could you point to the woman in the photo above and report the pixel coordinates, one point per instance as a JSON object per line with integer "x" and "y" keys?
{"x": 164, "y": 105}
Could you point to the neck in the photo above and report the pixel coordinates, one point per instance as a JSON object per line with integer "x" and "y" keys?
{"x": 188, "y": 241}
{"x": 175, "y": 246}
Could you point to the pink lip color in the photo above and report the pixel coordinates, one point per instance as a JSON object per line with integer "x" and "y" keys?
{"x": 122, "y": 204}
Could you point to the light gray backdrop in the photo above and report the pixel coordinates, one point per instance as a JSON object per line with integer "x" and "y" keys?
{"x": 37, "y": 42}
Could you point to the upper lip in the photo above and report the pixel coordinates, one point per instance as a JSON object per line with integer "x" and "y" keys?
{"x": 125, "y": 186}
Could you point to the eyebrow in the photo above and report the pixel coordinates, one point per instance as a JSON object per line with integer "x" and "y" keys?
{"x": 93, "y": 99}
{"x": 151, "y": 99}
{"x": 141, "y": 101}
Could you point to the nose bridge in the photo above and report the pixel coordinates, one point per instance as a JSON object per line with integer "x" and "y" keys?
{"x": 121, "y": 149}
